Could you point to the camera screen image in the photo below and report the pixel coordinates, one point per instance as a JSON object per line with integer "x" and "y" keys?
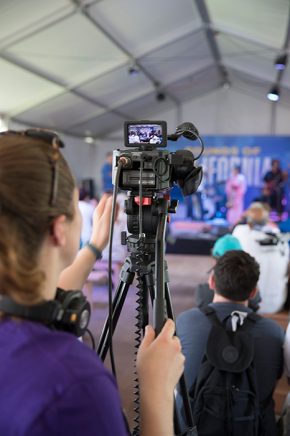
{"x": 154, "y": 134}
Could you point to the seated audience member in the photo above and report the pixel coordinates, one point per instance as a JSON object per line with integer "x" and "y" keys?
{"x": 263, "y": 240}
{"x": 258, "y": 215}
{"x": 87, "y": 212}
{"x": 54, "y": 383}
{"x": 234, "y": 280}
{"x": 203, "y": 293}
{"x": 119, "y": 251}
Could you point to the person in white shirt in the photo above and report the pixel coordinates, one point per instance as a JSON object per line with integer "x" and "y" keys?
{"x": 87, "y": 211}
{"x": 266, "y": 244}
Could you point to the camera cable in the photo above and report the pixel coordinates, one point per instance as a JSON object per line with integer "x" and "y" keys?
{"x": 110, "y": 284}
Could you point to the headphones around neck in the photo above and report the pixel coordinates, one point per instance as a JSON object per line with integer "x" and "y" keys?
{"x": 69, "y": 311}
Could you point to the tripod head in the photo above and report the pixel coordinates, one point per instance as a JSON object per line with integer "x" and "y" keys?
{"x": 150, "y": 209}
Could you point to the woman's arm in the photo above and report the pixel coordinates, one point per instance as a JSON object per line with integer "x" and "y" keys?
{"x": 75, "y": 276}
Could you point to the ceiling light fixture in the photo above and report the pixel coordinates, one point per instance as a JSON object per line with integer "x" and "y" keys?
{"x": 274, "y": 93}
{"x": 226, "y": 84}
{"x": 160, "y": 96}
{"x": 89, "y": 139}
{"x": 281, "y": 62}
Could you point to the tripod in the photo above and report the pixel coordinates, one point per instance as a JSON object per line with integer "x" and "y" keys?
{"x": 146, "y": 260}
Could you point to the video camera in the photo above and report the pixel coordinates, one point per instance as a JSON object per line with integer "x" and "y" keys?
{"x": 270, "y": 239}
{"x": 154, "y": 169}
{"x": 273, "y": 239}
{"x": 147, "y": 171}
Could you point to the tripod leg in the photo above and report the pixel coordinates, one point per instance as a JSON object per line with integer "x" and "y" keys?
{"x": 119, "y": 298}
{"x": 182, "y": 383}
{"x": 142, "y": 310}
{"x": 191, "y": 430}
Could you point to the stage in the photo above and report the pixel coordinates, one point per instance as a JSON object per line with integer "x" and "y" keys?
{"x": 190, "y": 236}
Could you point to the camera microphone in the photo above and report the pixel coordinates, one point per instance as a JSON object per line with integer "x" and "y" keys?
{"x": 187, "y": 130}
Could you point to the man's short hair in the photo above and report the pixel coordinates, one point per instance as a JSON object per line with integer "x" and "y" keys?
{"x": 236, "y": 274}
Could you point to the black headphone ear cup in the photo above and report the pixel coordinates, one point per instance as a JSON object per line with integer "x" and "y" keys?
{"x": 76, "y": 312}
{"x": 69, "y": 311}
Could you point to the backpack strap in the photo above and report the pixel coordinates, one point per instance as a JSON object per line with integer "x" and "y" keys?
{"x": 248, "y": 323}
{"x": 211, "y": 315}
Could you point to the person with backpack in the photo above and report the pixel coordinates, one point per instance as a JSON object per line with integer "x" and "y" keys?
{"x": 233, "y": 357}
{"x": 203, "y": 294}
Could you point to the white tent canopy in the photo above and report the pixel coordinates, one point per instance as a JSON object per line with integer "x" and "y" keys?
{"x": 84, "y": 67}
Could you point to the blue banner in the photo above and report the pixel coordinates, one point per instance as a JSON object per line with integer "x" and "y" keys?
{"x": 252, "y": 153}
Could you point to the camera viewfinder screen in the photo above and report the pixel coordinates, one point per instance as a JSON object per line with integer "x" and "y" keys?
{"x": 142, "y": 133}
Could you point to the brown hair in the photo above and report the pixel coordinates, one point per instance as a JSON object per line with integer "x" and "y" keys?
{"x": 236, "y": 274}
{"x": 25, "y": 212}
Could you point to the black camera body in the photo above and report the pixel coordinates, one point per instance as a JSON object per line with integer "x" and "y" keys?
{"x": 160, "y": 169}
{"x": 156, "y": 168}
